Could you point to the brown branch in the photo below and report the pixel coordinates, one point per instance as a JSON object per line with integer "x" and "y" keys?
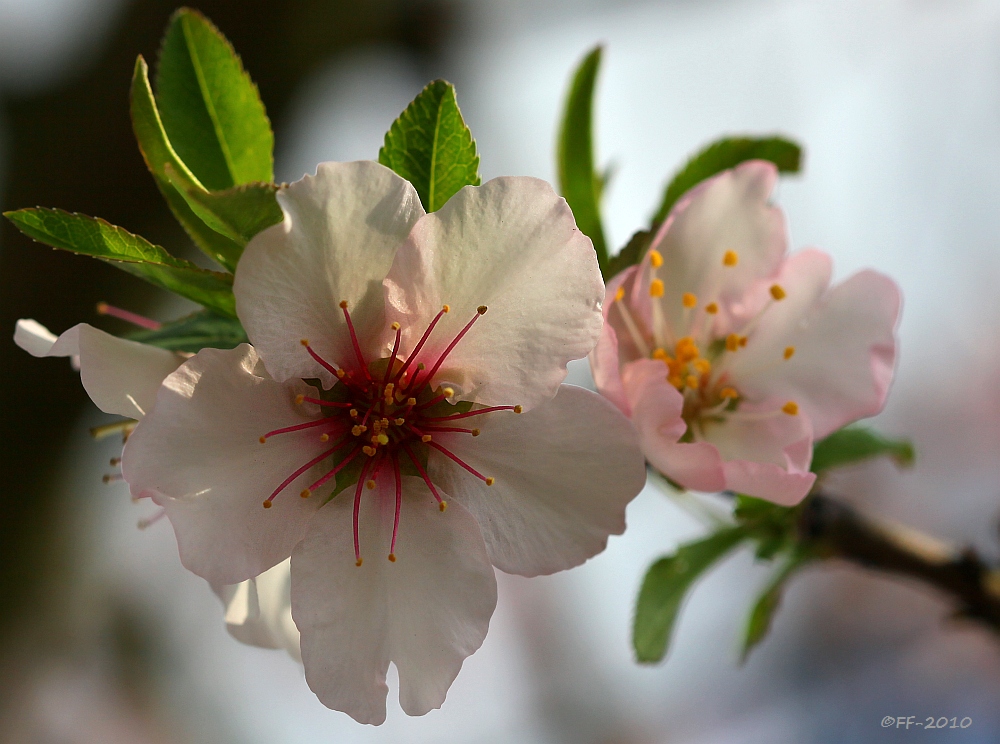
{"x": 834, "y": 529}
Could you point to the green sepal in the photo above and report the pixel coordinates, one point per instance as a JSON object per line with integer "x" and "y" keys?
{"x": 762, "y": 614}
{"x": 724, "y": 154}
{"x": 665, "y": 585}
{"x": 855, "y": 444}
{"x": 211, "y": 109}
{"x": 90, "y": 236}
{"x": 192, "y": 333}
{"x": 431, "y": 147}
{"x": 632, "y": 253}
{"x": 579, "y": 181}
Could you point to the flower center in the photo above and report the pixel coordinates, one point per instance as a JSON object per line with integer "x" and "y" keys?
{"x": 383, "y": 417}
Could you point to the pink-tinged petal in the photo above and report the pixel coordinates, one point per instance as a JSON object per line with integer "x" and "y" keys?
{"x": 259, "y": 610}
{"x": 616, "y": 344}
{"x": 564, "y": 473}
{"x": 656, "y": 412}
{"x": 604, "y": 362}
{"x": 120, "y": 376}
{"x": 512, "y": 245}
{"x": 199, "y": 456}
{"x": 766, "y": 456}
{"x": 729, "y": 212}
{"x": 844, "y": 344}
{"x": 425, "y": 612}
{"x": 341, "y": 230}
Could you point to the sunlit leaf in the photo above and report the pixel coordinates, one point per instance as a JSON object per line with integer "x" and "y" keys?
{"x": 857, "y": 443}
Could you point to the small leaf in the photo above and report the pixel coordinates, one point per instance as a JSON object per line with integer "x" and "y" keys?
{"x": 95, "y": 237}
{"x": 579, "y": 181}
{"x": 665, "y": 585}
{"x": 431, "y": 147}
{"x": 855, "y": 444}
{"x": 192, "y": 333}
{"x": 211, "y": 109}
{"x": 159, "y": 153}
{"x": 631, "y": 254}
{"x": 764, "y": 609}
{"x": 725, "y": 154}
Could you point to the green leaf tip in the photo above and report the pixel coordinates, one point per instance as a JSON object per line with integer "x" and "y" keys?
{"x": 579, "y": 181}
{"x": 431, "y": 146}
{"x": 766, "y": 607}
{"x": 212, "y": 111}
{"x": 855, "y": 444}
{"x": 665, "y": 586}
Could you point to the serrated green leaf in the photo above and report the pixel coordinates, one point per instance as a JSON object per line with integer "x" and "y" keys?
{"x": 211, "y": 109}
{"x": 159, "y": 153}
{"x": 579, "y": 181}
{"x": 665, "y": 585}
{"x": 431, "y": 147}
{"x": 192, "y": 333}
{"x": 855, "y": 444}
{"x": 725, "y": 154}
{"x": 94, "y": 237}
{"x": 631, "y": 254}
{"x": 764, "y": 609}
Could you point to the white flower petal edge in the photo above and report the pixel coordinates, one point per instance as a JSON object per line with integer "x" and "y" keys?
{"x": 259, "y": 610}
{"x": 199, "y": 457}
{"x": 425, "y": 613}
{"x": 341, "y": 230}
{"x": 120, "y": 376}
{"x": 512, "y": 246}
{"x": 561, "y": 484}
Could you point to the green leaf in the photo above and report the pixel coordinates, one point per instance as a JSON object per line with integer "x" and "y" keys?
{"x": 631, "y": 254}
{"x": 725, "y": 154}
{"x": 579, "y": 181}
{"x": 211, "y": 109}
{"x": 431, "y": 147}
{"x": 95, "y": 237}
{"x": 855, "y": 444}
{"x": 192, "y": 333}
{"x": 159, "y": 153}
{"x": 665, "y": 585}
{"x": 764, "y": 609}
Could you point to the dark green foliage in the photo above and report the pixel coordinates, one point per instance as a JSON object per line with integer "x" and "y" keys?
{"x": 192, "y": 333}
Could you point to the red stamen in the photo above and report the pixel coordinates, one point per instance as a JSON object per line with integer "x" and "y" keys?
{"x": 357, "y": 510}
{"x": 423, "y": 474}
{"x": 149, "y": 521}
{"x": 354, "y": 340}
{"x": 420, "y": 343}
{"x": 340, "y": 466}
{"x": 297, "y": 427}
{"x": 467, "y": 414}
{"x": 329, "y": 403}
{"x": 473, "y": 432}
{"x": 296, "y": 474}
{"x": 142, "y": 321}
{"x": 320, "y": 360}
{"x": 392, "y": 357}
{"x": 461, "y": 462}
{"x": 399, "y": 504}
{"x": 437, "y": 365}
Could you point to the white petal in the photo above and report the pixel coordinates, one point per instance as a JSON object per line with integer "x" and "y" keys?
{"x": 120, "y": 376}
{"x": 425, "y": 613}
{"x": 564, "y": 473}
{"x": 341, "y": 230}
{"x": 198, "y": 455}
{"x": 259, "y": 610}
{"x": 513, "y": 246}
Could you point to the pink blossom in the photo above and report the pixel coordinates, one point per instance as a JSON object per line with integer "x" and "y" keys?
{"x": 730, "y": 356}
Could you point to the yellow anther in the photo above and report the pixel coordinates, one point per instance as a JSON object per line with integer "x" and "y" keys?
{"x": 395, "y": 326}
{"x": 399, "y": 422}
{"x": 692, "y": 381}
{"x": 354, "y": 413}
{"x": 387, "y": 393}
{"x": 299, "y": 399}
{"x": 656, "y": 288}
{"x": 343, "y": 304}
{"x": 789, "y": 352}
{"x": 446, "y": 308}
{"x": 356, "y": 430}
{"x": 676, "y": 380}
{"x": 655, "y": 259}
{"x": 385, "y": 423}
{"x": 482, "y": 309}
{"x": 791, "y": 408}
{"x": 730, "y": 258}
{"x": 518, "y": 409}
{"x": 689, "y": 300}
{"x": 262, "y": 440}
{"x": 620, "y": 294}
{"x": 421, "y": 366}
{"x": 443, "y": 505}
{"x": 383, "y": 439}
{"x": 702, "y": 365}
{"x": 448, "y": 392}
{"x": 370, "y": 451}
{"x": 711, "y": 308}
{"x": 306, "y": 493}
{"x": 743, "y": 341}
{"x": 475, "y": 432}
{"x": 304, "y": 341}
{"x": 661, "y": 354}
{"x": 411, "y": 401}
{"x": 687, "y": 350}
{"x": 358, "y": 562}
{"x": 777, "y": 292}
{"x": 732, "y": 342}
{"x": 728, "y": 392}
{"x": 392, "y": 557}
{"x": 267, "y": 504}
{"x": 490, "y": 481}
{"x": 341, "y": 373}
{"x": 324, "y": 437}
{"x": 374, "y": 439}
{"x": 115, "y": 461}
{"x": 425, "y": 438}
{"x": 370, "y": 485}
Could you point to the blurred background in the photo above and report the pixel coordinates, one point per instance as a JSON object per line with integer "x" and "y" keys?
{"x": 104, "y": 638}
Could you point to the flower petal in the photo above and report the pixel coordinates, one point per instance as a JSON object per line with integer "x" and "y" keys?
{"x": 340, "y": 232}
{"x": 564, "y": 473}
{"x": 198, "y": 455}
{"x": 426, "y": 612}
{"x": 513, "y": 246}
{"x": 615, "y": 345}
{"x": 120, "y": 376}
{"x": 844, "y": 344}
{"x": 259, "y": 610}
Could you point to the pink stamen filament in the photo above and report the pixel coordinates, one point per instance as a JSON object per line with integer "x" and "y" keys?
{"x": 354, "y": 340}
{"x": 320, "y": 360}
{"x": 399, "y": 504}
{"x": 298, "y": 427}
{"x": 142, "y": 321}
{"x": 357, "y": 510}
{"x": 329, "y": 403}
{"x": 458, "y": 460}
{"x": 298, "y": 472}
{"x": 468, "y": 414}
{"x": 448, "y": 350}
{"x": 448, "y": 428}
{"x": 392, "y": 357}
{"x": 423, "y": 474}
{"x": 340, "y": 466}
{"x": 150, "y": 521}
{"x": 420, "y": 345}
